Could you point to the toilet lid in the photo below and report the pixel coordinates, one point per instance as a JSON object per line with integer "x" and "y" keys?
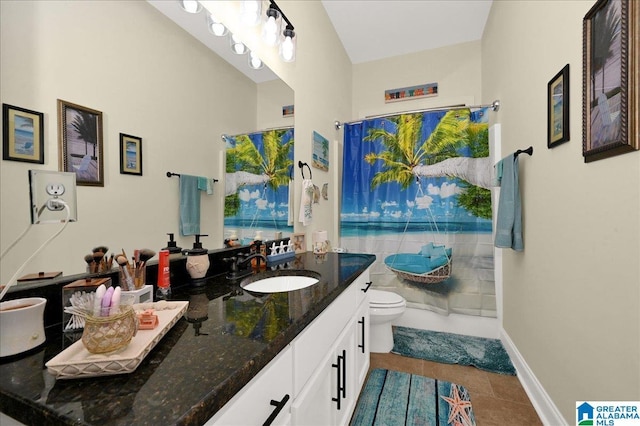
{"x": 378, "y": 297}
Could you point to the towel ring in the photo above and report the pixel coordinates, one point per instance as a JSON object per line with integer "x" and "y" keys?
{"x": 301, "y": 165}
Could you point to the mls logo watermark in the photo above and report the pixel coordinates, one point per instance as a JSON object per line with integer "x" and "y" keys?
{"x": 608, "y": 413}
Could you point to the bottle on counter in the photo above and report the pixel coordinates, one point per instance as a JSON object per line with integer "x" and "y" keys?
{"x": 164, "y": 276}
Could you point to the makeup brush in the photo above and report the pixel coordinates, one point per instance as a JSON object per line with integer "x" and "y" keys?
{"x": 98, "y": 257}
{"x": 89, "y": 259}
{"x": 145, "y": 255}
{"x": 124, "y": 266}
{"x": 103, "y": 249}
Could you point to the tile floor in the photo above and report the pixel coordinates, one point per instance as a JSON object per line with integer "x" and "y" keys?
{"x": 497, "y": 399}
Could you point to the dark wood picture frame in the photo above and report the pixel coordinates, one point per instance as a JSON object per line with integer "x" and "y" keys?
{"x": 130, "y": 155}
{"x": 81, "y": 143}
{"x": 22, "y": 135}
{"x": 610, "y": 79}
{"x": 558, "y": 108}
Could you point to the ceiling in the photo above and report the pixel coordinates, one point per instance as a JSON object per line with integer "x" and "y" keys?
{"x": 369, "y": 29}
{"x": 372, "y": 30}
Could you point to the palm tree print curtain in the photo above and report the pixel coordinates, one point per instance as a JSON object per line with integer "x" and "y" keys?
{"x": 258, "y": 170}
{"x": 413, "y": 179}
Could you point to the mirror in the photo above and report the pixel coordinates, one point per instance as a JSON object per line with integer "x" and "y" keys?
{"x": 256, "y": 186}
{"x": 150, "y": 80}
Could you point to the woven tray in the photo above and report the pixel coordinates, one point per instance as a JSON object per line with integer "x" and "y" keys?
{"x": 76, "y": 361}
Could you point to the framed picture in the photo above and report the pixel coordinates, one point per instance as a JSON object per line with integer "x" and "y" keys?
{"x": 81, "y": 143}
{"x": 22, "y": 134}
{"x": 130, "y": 155}
{"x": 558, "y": 108}
{"x": 610, "y": 79}
{"x": 320, "y": 152}
{"x": 299, "y": 244}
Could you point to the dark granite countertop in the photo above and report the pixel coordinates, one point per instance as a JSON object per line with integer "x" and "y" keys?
{"x": 226, "y": 337}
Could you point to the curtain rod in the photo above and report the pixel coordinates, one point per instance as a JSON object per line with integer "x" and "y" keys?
{"x": 494, "y": 106}
{"x": 223, "y": 136}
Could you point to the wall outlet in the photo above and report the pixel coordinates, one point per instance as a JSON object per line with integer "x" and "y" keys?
{"x": 46, "y": 187}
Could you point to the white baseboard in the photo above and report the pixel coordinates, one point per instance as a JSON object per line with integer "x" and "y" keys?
{"x": 544, "y": 406}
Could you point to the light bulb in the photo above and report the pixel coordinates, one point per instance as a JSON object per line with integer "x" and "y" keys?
{"x": 251, "y": 12}
{"x": 216, "y": 26}
{"x": 218, "y": 29}
{"x": 288, "y": 46}
{"x": 191, "y": 6}
{"x": 237, "y": 46}
{"x": 271, "y": 27}
{"x": 255, "y": 62}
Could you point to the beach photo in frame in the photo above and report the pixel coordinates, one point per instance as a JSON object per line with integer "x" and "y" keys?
{"x": 81, "y": 143}
{"x": 610, "y": 79}
{"x": 558, "y": 108}
{"x": 22, "y": 134}
{"x": 320, "y": 152}
{"x": 130, "y": 155}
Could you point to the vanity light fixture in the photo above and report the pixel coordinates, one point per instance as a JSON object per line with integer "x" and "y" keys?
{"x": 255, "y": 62}
{"x": 191, "y": 6}
{"x": 288, "y": 40}
{"x": 237, "y": 46}
{"x": 250, "y": 14}
{"x": 271, "y": 27}
{"x": 216, "y": 27}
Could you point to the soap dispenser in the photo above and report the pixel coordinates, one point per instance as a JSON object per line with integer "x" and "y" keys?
{"x": 171, "y": 245}
{"x": 198, "y": 261}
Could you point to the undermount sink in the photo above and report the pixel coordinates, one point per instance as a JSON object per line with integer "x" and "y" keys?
{"x": 280, "y": 282}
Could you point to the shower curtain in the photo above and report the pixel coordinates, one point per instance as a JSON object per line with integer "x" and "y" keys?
{"x": 258, "y": 170}
{"x": 414, "y": 179}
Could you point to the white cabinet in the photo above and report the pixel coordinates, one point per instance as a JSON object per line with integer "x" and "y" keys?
{"x": 321, "y": 372}
{"x": 329, "y": 394}
{"x": 267, "y": 397}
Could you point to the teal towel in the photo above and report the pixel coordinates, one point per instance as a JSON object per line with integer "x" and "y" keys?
{"x": 509, "y": 220}
{"x": 189, "y": 205}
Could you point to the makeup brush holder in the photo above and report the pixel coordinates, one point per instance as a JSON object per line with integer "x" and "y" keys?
{"x": 107, "y": 334}
{"x": 138, "y": 278}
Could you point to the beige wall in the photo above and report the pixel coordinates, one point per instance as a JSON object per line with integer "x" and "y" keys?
{"x": 455, "y": 68}
{"x": 150, "y": 79}
{"x": 572, "y": 298}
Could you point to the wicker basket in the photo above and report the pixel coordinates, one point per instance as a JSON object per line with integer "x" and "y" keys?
{"x": 432, "y": 277}
{"x": 107, "y": 334}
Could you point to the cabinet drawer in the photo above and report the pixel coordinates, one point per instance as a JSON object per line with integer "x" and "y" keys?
{"x": 311, "y": 346}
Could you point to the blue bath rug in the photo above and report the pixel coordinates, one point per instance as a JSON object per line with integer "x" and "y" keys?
{"x": 448, "y": 348}
{"x": 395, "y": 398}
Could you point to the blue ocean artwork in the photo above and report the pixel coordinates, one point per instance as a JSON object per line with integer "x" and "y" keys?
{"x": 23, "y": 135}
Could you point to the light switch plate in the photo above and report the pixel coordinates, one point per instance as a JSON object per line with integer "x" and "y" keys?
{"x": 47, "y": 185}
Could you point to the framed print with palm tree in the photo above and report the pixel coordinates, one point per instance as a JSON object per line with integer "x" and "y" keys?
{"x": 610, "y": 79}
{"x": 81, "y": 146}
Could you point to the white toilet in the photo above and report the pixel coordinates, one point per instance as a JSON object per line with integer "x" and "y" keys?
{"x": 384, "y": 308}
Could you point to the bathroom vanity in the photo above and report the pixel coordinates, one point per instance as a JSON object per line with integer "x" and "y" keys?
{"x": 235, "y": 358}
